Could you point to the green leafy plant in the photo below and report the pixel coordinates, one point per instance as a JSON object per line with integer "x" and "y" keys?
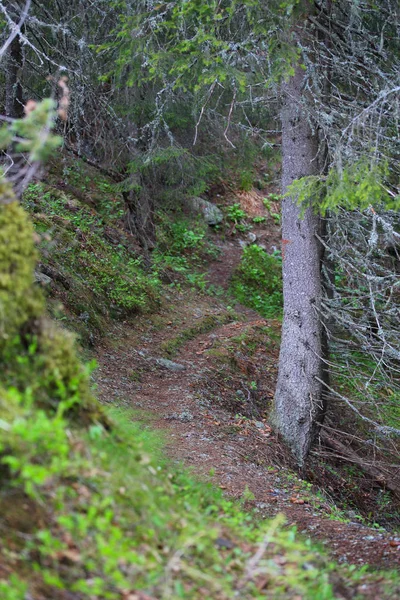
{"x": 235, "y": 213}
{"x": 246, "y": 180}
{"x": 33, "y": 134}
{"x": 358, "y": 186}
{"x": 257, "y": 282}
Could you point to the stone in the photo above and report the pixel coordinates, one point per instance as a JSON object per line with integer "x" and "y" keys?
{"x": 211, "y": 213}
{"x": 42, "y": 278}
{"x": 185, "y": 417}
{"x": 170, "y": 365}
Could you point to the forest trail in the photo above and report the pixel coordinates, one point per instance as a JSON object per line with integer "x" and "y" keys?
{"x": 240, "y": 455}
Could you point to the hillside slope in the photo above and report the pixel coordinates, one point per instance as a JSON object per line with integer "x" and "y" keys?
{"x": 90, "y": 505}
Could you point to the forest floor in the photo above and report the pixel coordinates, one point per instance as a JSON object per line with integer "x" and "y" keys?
{"x": 199, "y": 400}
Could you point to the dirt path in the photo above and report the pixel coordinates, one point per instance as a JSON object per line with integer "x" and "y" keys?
{"x": 203, "y": 434}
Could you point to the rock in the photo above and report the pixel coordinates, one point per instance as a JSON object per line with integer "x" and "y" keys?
{"x": 251, "y": 238}
{"x": 84, "y": 317}
{"x": 170, "y": 365}
{"x": 211, "y": 213}
{"x": 224, "y": 543}
{"x": 42, "y": 278}
{"x": 185, "y": 417}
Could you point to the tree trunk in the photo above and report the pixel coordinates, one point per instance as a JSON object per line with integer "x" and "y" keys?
{"x": 140, "y": 220}
{"x": 298, "y": 400}
{"x": 14, "y": 102}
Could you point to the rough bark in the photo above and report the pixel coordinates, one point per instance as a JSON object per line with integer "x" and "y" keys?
{"x": 140, "y": 221}
{"x": 298, "y": 400}
{"x": 14, "y": 101}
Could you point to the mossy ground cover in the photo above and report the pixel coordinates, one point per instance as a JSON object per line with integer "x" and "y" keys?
{"x": 115, "y": 519}
{"x": 257, "y": 281}
{"x": 95, "y": 269}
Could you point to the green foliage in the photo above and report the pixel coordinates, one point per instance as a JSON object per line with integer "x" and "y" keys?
{"x": 235, "y": 213}
{"x": 210, "y": 53}
{"x": 20, "y": 302}
{"x": 102, "y": 276}
{"x": 257, "y": 282}
{"x": 116, "y": 515}
{"x": 171, "y": 174}
{"x": 33, "y": 133}
{"x": 13, "y": 589}
{"x": 358, "y": 186}
{"x": 268, "y": 205}
{"x": 246, "y": 180}
{"x": 183, "y": 248}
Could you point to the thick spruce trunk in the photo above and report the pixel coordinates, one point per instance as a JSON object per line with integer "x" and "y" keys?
{"x": 298, "y": 400}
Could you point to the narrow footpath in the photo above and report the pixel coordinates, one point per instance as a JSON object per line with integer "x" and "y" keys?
{"x": 240, "y": 455}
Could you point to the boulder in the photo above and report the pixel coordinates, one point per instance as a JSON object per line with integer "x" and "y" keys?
{"x": 211, "y": 213}
{"x": 168, "y": 364}
{"x": 42, "y": 278}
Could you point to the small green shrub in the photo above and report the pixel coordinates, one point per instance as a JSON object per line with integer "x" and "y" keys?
{"x": 179, "y": 236}
{"x": 246, "y": 180}
{"x": 268, "y": 205}
{"x": 235, "y": 213}
{"x": 257, "y": 282}
{"x": 183, "y": 248}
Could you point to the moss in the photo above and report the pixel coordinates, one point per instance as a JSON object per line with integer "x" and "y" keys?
{"x": 61, "y": 371}
{"x": 20, "y": 300}
{"x": 34, "y": 352}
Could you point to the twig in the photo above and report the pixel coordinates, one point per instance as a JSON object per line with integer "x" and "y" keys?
{"x": 15, "y": 27}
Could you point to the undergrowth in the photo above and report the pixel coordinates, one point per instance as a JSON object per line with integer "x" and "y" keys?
{"x": 183, "y": 248}
{"x": 257, "y": 281}
{"x": 93, "y": 267}
{"x": 115, "y": 519}
{"x": 206, "y": 324}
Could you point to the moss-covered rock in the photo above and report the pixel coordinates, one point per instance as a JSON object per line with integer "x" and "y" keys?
{"x": 62, "y": 374}
{"x": 21, "y": 302}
